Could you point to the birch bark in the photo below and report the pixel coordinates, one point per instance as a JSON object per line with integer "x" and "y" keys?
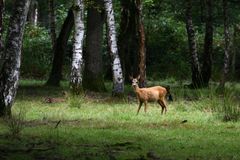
{"x": 9, "y": 75}
{"x": 77, "y": 59}
{"x": 118, "y": 82}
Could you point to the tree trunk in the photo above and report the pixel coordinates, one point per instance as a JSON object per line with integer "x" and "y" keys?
{"x": 77, "y": 60}
{"x": 208, "y": 45}
{"x": 11, "y": 68}
{"x": 226, "y": 45}
{"x": 59, "y": 50}
{"x": 118, "y": 82}
{"x": 52, "y": 22}
{"x": 124, "y": 36}
{"x": 202, "y": 10}
{"x": 33, "y": 13}
{"x": 93, "y": 70}
{"x": 128, "y": 40}
{"x": 142, "y": 49}
{"x": 1, "y": 30}
{"x": 196, "y": 77}
{"x": 235, "y": 49}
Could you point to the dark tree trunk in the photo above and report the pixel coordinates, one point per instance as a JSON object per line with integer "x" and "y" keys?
{"x": 93, "y": 73}
{"x": 196, "y": 77}
{"x": 235, "y": 49}
{"x": 226, "y": 45}
{"x": 60, "y": 49}
{"x": 129, "y": 38}
{"x": 208, "y": 45}
{"x": 1, "y": 31}
{"x": 202, "y": 9}
{"x": 52, "y": 21}
{"x": 123, "y": 38}
{"x": 141, "y": 49}
{"x": 33, "y": 13}
{"x": 11, "y": 68}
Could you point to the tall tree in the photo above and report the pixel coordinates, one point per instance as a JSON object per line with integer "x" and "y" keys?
{"x": 142, "y": 49}
{"x": 1, "y": 28}
{"x": 59, "y": 50}
{"x": 208, "y": 46}
{"x": 118, "y": 81}
{"x": 52, "y": 21}
{"x": 226, "y": 44}
{"x": 77, "y": 58}
{"x": 132, "y": 40}
{"x": 196, "y": 76}
{"x": 235, "y": 45}
{"x": 9, "y": 75}
{"x": 127, "y": 40}
{"x": 93, "y": 70}
{"x": 33, "y": 13}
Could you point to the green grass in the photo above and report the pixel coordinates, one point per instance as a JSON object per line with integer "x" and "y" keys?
{"x": 99, "y": 127}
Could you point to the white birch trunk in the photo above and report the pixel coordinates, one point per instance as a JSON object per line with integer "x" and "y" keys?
{"x": 11, "y": 68}
{"x": 118, "y": 82}
{"x": 77, "y": 59}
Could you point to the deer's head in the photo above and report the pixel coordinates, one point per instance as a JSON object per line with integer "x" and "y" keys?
{"x": 134, "y": 81}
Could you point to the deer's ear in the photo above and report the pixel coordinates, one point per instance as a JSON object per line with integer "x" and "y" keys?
{"x": 138, "y": 77}
{"x": 131, "y": 77}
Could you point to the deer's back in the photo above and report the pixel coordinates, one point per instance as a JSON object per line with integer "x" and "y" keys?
{"x": 151, "y": 93}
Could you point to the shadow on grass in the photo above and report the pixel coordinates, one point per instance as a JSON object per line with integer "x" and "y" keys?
{"x": 38, "y": 90}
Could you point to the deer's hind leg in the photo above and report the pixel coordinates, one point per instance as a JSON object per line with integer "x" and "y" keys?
{"x": 163, "y": 105}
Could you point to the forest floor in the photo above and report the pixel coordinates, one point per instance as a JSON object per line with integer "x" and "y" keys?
{"x": 199, "y": 124}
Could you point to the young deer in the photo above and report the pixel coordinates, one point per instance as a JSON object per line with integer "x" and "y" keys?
{"x": 151, "y": 94}
{"x": 56, "y": 99}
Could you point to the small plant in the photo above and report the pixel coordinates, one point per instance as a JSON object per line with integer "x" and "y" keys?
{"x": 226, "y": 105}
{"x": 230, "y": 109}
{"x": 76, "y": 101}
{"x": 15, "y": 123}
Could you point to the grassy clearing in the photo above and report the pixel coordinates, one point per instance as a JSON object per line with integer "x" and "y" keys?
{"x": 99, "y": 127}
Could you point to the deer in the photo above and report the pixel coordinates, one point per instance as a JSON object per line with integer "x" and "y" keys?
{"x": 56, "y": 99}
{"x": 151, "y": 94}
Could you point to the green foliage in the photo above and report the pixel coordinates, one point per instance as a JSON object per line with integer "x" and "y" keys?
{"x": 229, "y": 108}
{"x": 37, "y": 55}
{"x": 76, "y": 101}
{"x": 166, "y": 46}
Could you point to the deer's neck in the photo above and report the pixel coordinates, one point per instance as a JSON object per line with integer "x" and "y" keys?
{"x": 136, "y": 88}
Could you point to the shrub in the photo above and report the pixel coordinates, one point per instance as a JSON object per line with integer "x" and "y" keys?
{"x": 15, "y": 123}
{"x": 36, "y": 57}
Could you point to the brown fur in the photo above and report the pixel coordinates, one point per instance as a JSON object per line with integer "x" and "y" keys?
{"x": 151, "y": 94}
{"x": 55, "y": 99}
